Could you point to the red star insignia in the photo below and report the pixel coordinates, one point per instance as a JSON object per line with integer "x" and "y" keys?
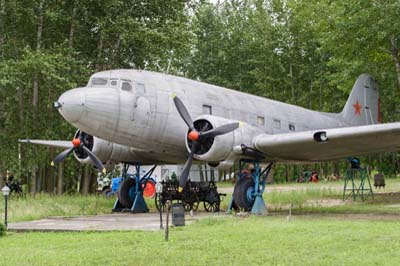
{"x": 357, "y": 108}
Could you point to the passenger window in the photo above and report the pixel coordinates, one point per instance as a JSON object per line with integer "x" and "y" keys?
{"x": 207, "y": 110}
{"x": 126, "y": 85}
{"x": 292, "y": 127}
{"x": 277, "y": 123}
{"x": 260, "y": 120}
{"x": 99, "y": 82}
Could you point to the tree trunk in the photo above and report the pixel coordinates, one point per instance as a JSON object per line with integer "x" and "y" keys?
{"x": 60, "y": 178}
{"x": 99, "y": 64}
{"x": 1, "y": 175}
{"x": 2, "y": 15}
{"x": 336, "y": 168}
{"x": 33, "y": 181}
{"x": 72, "y": 30}
{"x": 201, "y": 173}
{"x": 50, "y": 174}
{"x": 287, "y": 173}
{"x": 395, "y": 55}
{"x": 86, "y": 179}
{"x": 39, "y": 33}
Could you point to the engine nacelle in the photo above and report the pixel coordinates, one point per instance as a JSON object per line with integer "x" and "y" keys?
{"x": 104, "y": 150}
{"x": 219, "y": 148}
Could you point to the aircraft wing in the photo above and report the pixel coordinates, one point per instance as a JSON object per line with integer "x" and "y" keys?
{"x": 51, "y": 143}
{"x": 340, "y": 143}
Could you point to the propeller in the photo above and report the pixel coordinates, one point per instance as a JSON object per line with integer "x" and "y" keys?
{"x": 79, "y": 146}
{"x": 197, "y": 136}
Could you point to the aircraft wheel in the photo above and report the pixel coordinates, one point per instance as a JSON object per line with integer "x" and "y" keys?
{"x": 124, "y": 196}
{"x": 242, "y": 194}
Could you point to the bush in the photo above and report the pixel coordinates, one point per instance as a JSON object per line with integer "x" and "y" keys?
{"x": 3, "y": 230}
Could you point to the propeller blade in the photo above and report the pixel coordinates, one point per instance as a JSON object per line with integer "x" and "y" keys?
{"x": 94, "y": 159}
{"x": 186, "y": 169}
{"x": 183, "y": 112}
{"x": 219, "y": 130}
{"x": 60, "y": 157}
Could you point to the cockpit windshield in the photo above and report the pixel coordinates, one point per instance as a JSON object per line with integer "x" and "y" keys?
{"x": 123, "y": 84}
{"x": 98, "y": 82}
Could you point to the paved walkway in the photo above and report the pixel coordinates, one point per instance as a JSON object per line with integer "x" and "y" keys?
{"x": 106, "y": 222}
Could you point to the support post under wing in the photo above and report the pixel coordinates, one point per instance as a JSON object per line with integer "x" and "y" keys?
{"x": 340, "y": 143}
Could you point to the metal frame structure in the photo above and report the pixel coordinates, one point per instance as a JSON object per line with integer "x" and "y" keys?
{"x": 136, "y": 192}
{"x": 254, "y": 193}
{"x": 355, "y": 190}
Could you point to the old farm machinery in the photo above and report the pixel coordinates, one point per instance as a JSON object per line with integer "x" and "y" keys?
{"x": 191, "y": 196}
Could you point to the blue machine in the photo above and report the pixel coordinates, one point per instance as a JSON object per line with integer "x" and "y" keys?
{"x": 115, "y": 182}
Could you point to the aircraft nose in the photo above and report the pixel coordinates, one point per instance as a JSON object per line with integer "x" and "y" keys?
{"x": 71, "y": 104}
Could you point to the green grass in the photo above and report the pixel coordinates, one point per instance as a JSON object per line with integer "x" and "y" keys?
{"x": 305, "y": 197}
{"x": 216, "y": 241}
{"x": 324, "y": 237}
{"x": 44, "y": 205}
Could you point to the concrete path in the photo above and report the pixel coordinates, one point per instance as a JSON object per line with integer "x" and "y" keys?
{"x": 106, "y": 222}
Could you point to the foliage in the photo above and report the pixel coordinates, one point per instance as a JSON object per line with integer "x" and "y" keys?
{"x": 307, "y": 53}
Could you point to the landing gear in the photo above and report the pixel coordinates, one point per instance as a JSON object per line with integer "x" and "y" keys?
{"x": 247, "y": 194}
{"x": 124, "y": 190}
{"x": 130, "y": 192}
{"x": 243, "y": 194}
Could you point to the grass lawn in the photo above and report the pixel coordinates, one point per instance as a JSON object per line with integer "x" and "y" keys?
{"x": 352, "y": 233}
{"x": 217, "y": 241}
{"x": 305, "y": 197}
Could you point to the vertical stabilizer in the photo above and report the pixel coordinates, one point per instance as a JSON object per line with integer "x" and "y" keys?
{"x": 362, "y": 106}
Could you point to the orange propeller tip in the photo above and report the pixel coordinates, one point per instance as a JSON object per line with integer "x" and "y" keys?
{"x": 180, "y": 189}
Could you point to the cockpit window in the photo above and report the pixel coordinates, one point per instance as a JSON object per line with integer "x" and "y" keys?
{"x": 114, "y": 82}
{"x": 99, "y": 81}
{"x": 126, "y": 85}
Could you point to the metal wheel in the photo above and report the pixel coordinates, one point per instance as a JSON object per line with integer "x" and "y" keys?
{"x": 212, "y": 201}
{"x": 163, "y": 202}
{"x": 191, "y": 201}
{"x": 211, "y": 206}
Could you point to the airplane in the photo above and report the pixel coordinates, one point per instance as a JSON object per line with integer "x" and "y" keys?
{"x": 143, "y": 117}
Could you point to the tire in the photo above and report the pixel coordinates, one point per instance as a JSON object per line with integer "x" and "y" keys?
{"x": 123, "y": 192}
{"x": 107, "y": 192}
{"x": 240, "y": 192}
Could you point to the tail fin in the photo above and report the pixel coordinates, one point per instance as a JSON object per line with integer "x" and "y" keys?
{"x": 363, "y": 104}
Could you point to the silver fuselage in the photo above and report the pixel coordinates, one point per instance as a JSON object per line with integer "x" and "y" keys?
{"x": 145, "y": 119}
